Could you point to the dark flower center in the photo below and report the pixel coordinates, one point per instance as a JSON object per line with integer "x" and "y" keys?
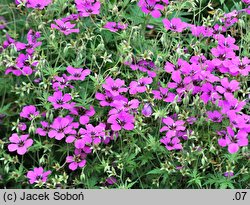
{"x": 150, "y": 7}
{"x": 222, "y": 57}
{"x": 92, "y": 134}
{"x": 39, "y": 177}
{"x": 59, "y": 101}
{"x": 173, "y": 27}
{"x": 61, "y": 130}
{"x": 114, "y": 88}
{"x": 63, "y": 28}
{"x": 77, "y": 158}
{"x": 77, "y": 75}
{"x": 21, "y": 144}
{"x": 109, "y": 99}
{"x": 120, "y": 122}
{"x": 215, "y": 119}
{"x": 81, "y": 111}
{"x": 26, "y": 63}
{"x": 172, "y": 127}
{"x": 242, "y": 67}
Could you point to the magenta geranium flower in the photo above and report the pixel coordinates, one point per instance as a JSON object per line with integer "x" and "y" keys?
{"x": 9, "y": 41}
{"x": 163, "y": 94}
{"x": 88, "y": 7}
{"x": 222, "y": 55}
{"x": 37, "y": 175}
{"x": 182, "y": 66}
{"x": 77, "y": 73}
{"x": 29, "y": 112}
{"x": 14, "y": 70}
{"x": 108, "y": 99}
{"x": 172, "y": 126}
{"x": 227, "y": 87}
{"x": 171, "y": 143}
{"x": 65, "y": 27}
{"x": 146, "y": 67}
{"x": 227, "y": 43}
{"x": 96, "y": 133}
{"x": 231, "y": 104}
{"x": 32, "y": 42}
{"x": 114, "y": 26}
{"x": 140, "y": 86}
{"x": 83, "y": 113}
{"x": 77, "y": 160}
{"x": 60, "y": 101}
{"x": 26, "y": 64}
{"x": 124, "y": 105}
{"x": 152, "y": 7}
{"x": 239, "y": 66}
{"x": 61, "y": 127}
{"x": 246, "y": 1}
{"x": 19, "y": 143}
{"x": 209, "y": 93}
{"x": 239, "y": 121}
{"x": 115, "y": 87}
{"x": 121, "y": 120}
{"x": 80, "y": 139}
{"x": 234, "y": 141}
{"x": 181, "y": 85}
{"x": 215, "y": 116}
{"x": 43, "y": 131}
{"x": 174, "y": 24}
{"x": 61, "y": 82}
{"x": 38, "y": 4}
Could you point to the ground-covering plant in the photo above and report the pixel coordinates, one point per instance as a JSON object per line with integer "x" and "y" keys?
{"x": 124, "y": 94}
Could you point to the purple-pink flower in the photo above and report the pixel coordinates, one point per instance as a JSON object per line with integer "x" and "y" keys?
{"x": 19, "y": 143}
{"x": 215, "y": 116}
{"x": 77, "y": 160}
{"x": 83, "y": 113}
{"x": 121, "y": 120}
{"x": 29, "y": 112}
{"x": 115, "y": 87}
{"x": 233, "y": 141}
{"x": 43, "y": 131}
{"x": 140, "y": 86}
{"x": 174, "y": 24}
{"x": 37, "y": 175}
{"x": 60, "y": 101}
{"x": 172, "y": 126}
{"x": 65, "y": 27}
{"x": 62, "y": 126}
{"x": 38, "y": 4}
{"x": 152, "y": 7}
{"x": 114, "y": 26}
{"x": 77, "y": 73}
{"x": 88, "y": 7}
{"x": 171, "y": 143}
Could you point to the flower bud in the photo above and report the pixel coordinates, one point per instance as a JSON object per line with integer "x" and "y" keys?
{"x": 147, "y": 110}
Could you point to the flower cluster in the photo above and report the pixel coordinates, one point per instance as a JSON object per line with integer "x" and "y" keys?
{"x": 209, "y": 81}
{"x": 35, "y": 4}
{"x": 25, "y": 63}
{"x": 153, "y": 7}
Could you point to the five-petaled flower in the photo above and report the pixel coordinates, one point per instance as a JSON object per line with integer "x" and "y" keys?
{"x": 19, "y": 143}
{"x": 37, "y": 175}
{"x": 65, "y": 27}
